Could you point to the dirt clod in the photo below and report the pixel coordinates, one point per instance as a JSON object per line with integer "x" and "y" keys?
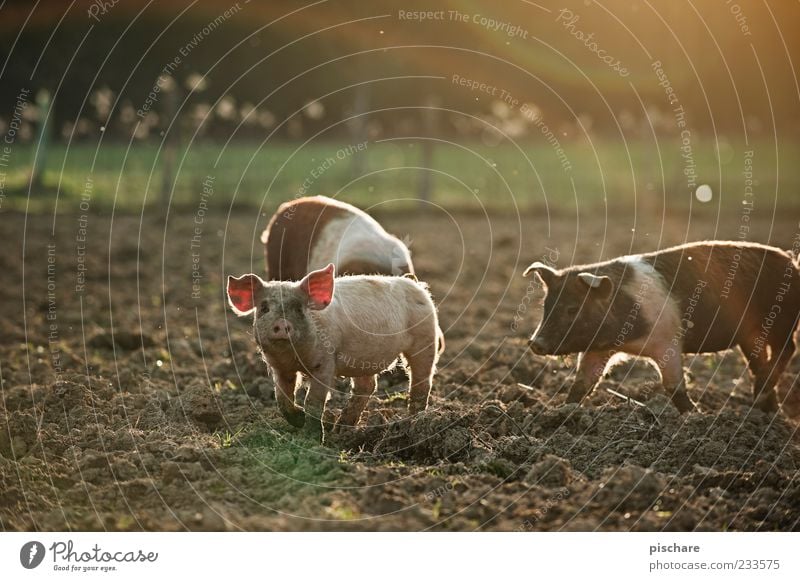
{"x": 123, "y": 339}
{"x": 551, "y": 472}
{"x": 202, "y": 405}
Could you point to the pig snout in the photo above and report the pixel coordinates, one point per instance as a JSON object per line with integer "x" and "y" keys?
{"x": 280, "y": 330}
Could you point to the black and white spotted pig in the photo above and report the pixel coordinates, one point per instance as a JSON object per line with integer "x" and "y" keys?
{"x": 694, "y": 298}
{"x": 308, "y": 233}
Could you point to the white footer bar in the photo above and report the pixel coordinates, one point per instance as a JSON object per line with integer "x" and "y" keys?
{"x": 398, "y": 556}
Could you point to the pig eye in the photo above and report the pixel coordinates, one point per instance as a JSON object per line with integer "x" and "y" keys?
{"x": 572, "y": 310}
{"x": 263, "y": 308}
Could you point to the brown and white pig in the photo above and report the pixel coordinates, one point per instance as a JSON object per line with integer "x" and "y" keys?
{"x": 352, "y": 326}
{"x": 307, "y": 233}
{"x": 694, "y": 298}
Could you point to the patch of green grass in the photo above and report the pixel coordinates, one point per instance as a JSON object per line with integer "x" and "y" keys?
{"x": 436, "y": 509}
{"x": 291, "y": 460}
{"x": 227, "y": 384}
{"x": 395, "y": 396}
{"x": 124, "y": 522}
{"x": 283, "y": 471}
{"x": 463, "y": 175}
{"x": 341, "y": 511}
{"x": 265, "y": 438}
{"x": 227, "y": 439}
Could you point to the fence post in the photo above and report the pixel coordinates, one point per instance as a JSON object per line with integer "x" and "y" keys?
{"x": 171, "y": 141}
{"x": 358, "y": 128}
{"x": 42, "y": 138}
{"x": 430, "y": 128}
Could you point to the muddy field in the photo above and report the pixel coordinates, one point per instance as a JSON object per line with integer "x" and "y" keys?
{"x": 133, "y": 399}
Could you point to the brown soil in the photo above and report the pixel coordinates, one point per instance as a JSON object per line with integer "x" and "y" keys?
{"x": 162, "y": 416}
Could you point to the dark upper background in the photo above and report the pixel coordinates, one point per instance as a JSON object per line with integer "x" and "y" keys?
{"x": 261, "y": 96}
{"x": 723, "y": 78}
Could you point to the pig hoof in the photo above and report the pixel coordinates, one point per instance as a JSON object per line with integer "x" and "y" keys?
{"x": 767, "y": 403}
{"x": 342, "y": 426}
{"x": 576, "y": 397}
{"x": 295, "y": 417}
{"x": 328, "y": 426}
{"x": 683, "y": 403}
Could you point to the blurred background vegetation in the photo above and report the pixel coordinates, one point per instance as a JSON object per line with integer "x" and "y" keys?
{"x": 144, "y": 100}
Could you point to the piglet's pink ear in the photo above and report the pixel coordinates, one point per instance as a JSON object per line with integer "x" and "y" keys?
{"x": 244, "y": 293}
{"x": 318, "y": 285}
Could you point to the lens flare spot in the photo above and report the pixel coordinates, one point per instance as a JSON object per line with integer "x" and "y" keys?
{"x": 703, "y": 193}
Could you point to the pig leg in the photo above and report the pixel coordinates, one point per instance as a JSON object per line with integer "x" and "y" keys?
{"x": 321, "y": 379}
{"x": 671, "y": 368}
{"x": 363, "y": 388}
{"x": 421, "y": 366}
{"x": 758, "y": 363}
{"x": 590, "y": 367}
{"x": 284, "y": 395}
{"x": 766, "y": 375}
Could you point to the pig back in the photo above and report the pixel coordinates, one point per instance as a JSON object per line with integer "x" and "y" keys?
{"x": 376, "y": 318}
{"x": 292, "y": 234}
{"x": 724, "y": 290}
{"x": 357, "y": 244}
{"x": 309, "y": 233}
